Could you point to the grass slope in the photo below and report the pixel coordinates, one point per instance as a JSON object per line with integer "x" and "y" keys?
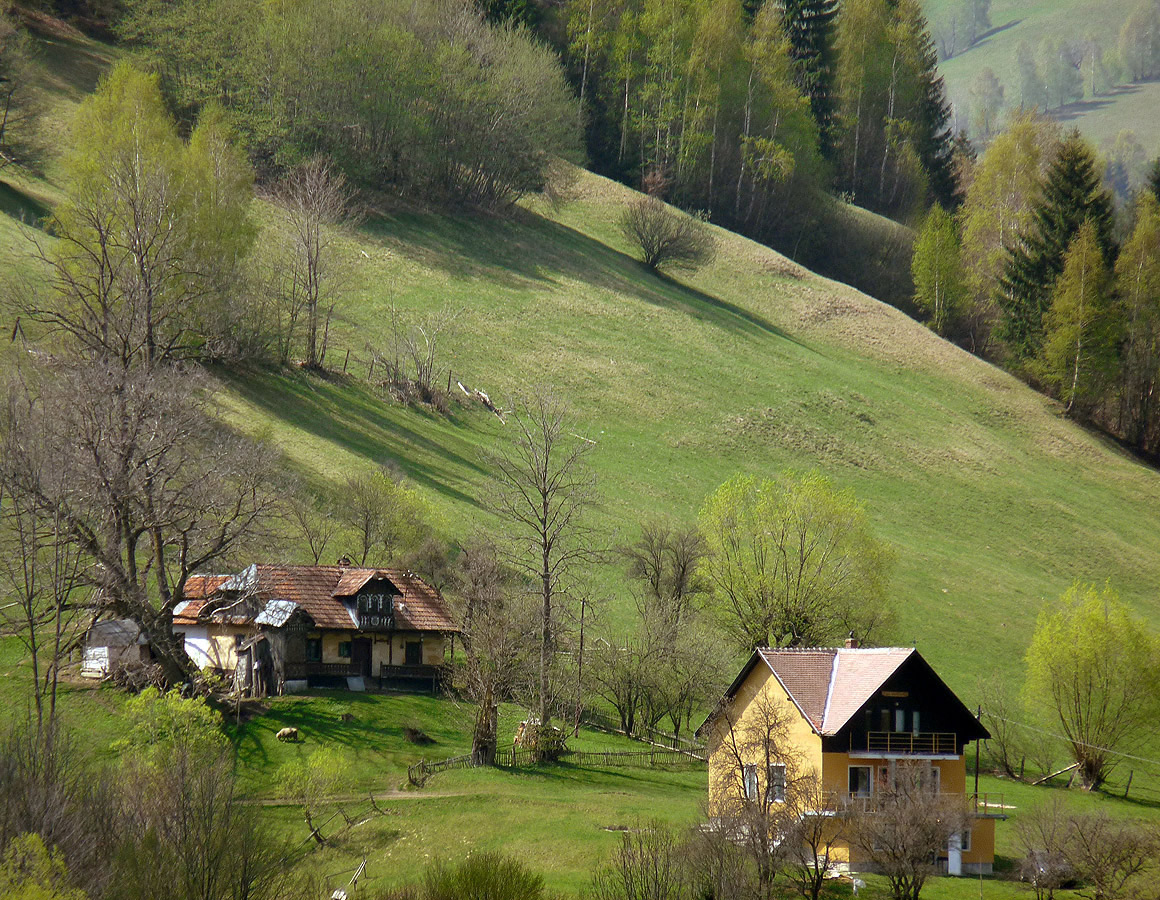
{"x": 1100, "y": 118}
{"x": 992, "y": 500}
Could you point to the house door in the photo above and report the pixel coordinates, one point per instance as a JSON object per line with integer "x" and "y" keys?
{"x": 414, "y": 653}
{"x": 360, "y": 656}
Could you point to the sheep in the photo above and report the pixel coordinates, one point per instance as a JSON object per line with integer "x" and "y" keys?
{"x": 347, "y": 717}
{"x": 288, "y": 734}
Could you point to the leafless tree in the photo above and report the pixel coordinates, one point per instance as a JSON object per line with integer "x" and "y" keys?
{"x": 667, "y": 238}
{"x": 316, "y": 525}
{"x": 499, "y": 640}
{"x": 1044, "y": 833}
{"x": 818, "y": 827}
{"x": 411, "y": 362}
{"x": 621, "y": 672}
{"x": 1000, "y": 709}
{"x": 648, "y": 864}
{"x": 763, "y": 770}
{"x": 1115, "y": 857}
{"x": 41, "y": 569}
{"x": 145, "y": 482}
{"x": 18, "y": 103}
{"x": 902, "y": 829}
{"x": 541, "y": 490}
{"x": 315, "y": 201}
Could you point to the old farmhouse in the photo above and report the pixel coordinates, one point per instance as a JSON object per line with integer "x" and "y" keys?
{"x": 273, "y": 628}
{"x": 850, "y": 717}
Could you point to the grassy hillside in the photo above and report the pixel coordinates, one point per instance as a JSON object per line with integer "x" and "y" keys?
{"x": 993, "y": 501}
{"x": 1100, "y": 118}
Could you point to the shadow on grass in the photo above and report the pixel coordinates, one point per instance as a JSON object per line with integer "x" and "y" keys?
{"x": 350, "y": 415}
{"x": 526, "y": 251}
{"x": 21, "y": 206}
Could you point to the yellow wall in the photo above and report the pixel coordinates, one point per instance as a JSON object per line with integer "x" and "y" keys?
{"x": 734, "y": 727}
{"x": 740, "y": 724}
{"x": 434, "y": 646}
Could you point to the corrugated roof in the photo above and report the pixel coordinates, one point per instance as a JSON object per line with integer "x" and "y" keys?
{"x": 276, "y": 613}
{"x": 320, "y": 592}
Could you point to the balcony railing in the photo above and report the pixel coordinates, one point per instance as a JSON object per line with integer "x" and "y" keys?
{"x": 306, "y": 669}
{"x": 982, "y": 804}
{"x": 422, "y": 676}
{"x": 930, "y": 743}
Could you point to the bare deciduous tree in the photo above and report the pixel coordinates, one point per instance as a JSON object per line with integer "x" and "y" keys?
{"x": 902, "y": 829}
{"x": 316, "y": 525}
{"x": 138, "y": 474}
{"x": 41, "y": 568}
{"x": 382, "y": 516}
{"x": 667, "y": 238}
{"x": 316, "y": 201}
{"x": 411, "y": 363}
{"x": 541, "y": 491}
{"x": 498, "y": 626}
{"x": 648, "y": 864}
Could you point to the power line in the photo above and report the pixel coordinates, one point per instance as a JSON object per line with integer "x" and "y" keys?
{"x": 1064, "y": 737}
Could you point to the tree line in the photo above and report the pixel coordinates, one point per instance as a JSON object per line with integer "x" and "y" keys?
{"x": 1037, "y": 272}
{"x": 427, "y": 99}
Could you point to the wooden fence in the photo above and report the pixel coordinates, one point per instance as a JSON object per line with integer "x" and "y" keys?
{"x": 522, "y": 758}
{"x": 654, "y": 736}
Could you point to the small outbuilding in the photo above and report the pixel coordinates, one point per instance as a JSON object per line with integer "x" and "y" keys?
{"x": 112, "y": 644}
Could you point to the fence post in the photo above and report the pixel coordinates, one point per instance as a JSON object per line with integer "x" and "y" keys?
{"x": 345, "y": 360}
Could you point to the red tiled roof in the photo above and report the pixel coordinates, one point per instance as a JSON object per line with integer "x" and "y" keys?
{"x": 320, "y": 592}
{"x": 806, "y": 677}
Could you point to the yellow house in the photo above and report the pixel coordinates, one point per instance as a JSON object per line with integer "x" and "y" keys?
{"x": 848, "y": 717}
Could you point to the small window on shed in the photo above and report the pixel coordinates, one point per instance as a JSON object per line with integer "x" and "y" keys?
{"x": 314, "y": 649}
{"x": 344, "y": 649}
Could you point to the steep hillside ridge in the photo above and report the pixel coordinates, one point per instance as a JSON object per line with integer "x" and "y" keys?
{"x": 1101, "y": 118}
{"x": 993, "y": 501}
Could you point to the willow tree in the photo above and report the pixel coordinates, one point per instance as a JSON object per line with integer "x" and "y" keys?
{"x": 1092, "y": 672}
{"x": 793, "y": 562}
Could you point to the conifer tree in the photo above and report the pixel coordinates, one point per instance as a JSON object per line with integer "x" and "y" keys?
{"x": 938, "y": 270}
{"x": 934, "y": 138}
{"x": 809, "y": 25}
{"x": 1073, "y": 192}
{"x": 1078, "y": 347}
{"x": 1154, "y": 179}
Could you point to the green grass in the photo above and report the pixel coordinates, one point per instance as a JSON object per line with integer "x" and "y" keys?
{"x": 993, "y": 502}
{"x": 1100, "y": 118}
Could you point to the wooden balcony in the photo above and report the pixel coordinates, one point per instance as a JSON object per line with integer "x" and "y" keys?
{"x": 331, "y": 670}
{"x": 417, "y": 677}
{"x": 924, "y": 743}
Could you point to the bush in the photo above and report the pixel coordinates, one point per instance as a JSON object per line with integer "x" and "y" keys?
{"x": 667, "y": 239}
{"x": 482, "y": 876}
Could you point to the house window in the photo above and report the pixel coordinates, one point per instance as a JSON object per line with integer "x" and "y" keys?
{"x": 777, "y": 782}
{"x": 749, "y": 782}
{"x": 314, "y": 649}
{"x": 914, "y": 722}
{"x": 414, "y": 653}
{"x": 860, "y": 781}
{"x": 344, "y": 649}
{"x": 238, "y": 638}
{"x": 965, "y": 840}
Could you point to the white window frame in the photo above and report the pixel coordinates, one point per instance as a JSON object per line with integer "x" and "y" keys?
{"x": 749, "y": 782}
{"x": 965, "y": 840}
{"x": 869, "y": 781}
{"x": 776, "y": 783}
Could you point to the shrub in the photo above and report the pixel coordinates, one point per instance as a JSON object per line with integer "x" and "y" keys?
{"x": 668, "y": 239}
{"x": 483, "y": 876}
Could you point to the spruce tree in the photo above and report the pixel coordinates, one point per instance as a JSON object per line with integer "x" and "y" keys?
{"x": 1154, "y": 179}
{"x": 934, "y": 139}
{"x": 1072, "y": 193}
{"x": 809, "y": 25}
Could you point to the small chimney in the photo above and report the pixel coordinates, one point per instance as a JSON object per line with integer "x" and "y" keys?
{"x": 851, "y": 642}
{"x": 344, "y": 561}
